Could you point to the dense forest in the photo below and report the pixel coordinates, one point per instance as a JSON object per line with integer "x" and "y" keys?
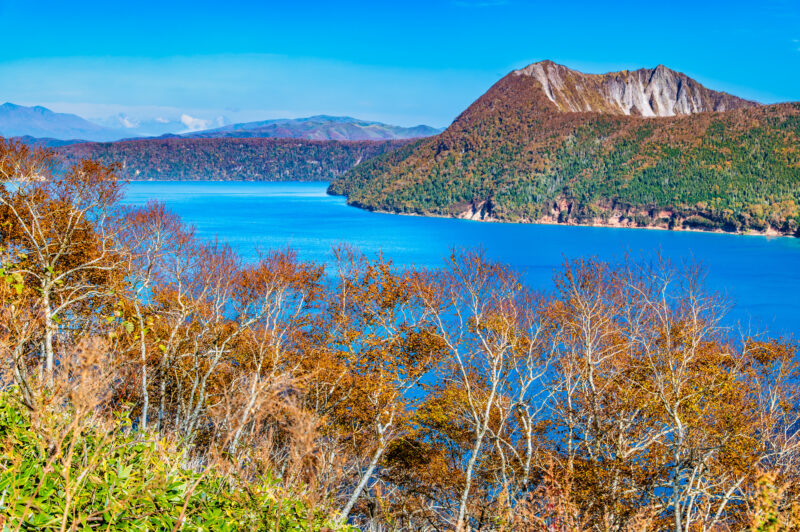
{"x": 253, "y": 159}
{"x": 514, "y": 156}
{"x": 155, "y": 381}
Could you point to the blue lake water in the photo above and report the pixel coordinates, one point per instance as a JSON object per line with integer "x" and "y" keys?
{"x": 760, "y": 275}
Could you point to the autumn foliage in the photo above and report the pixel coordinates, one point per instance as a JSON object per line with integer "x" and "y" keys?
{"x": 230, "y": 159}
{"x": 514, "y": 156}
{"x": 384, "y": 397}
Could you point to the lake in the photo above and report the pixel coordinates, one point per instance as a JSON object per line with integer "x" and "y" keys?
{"x": 761, "y": 275}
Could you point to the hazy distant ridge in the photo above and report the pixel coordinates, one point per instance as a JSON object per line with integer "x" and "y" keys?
{"x": 41, "y": 122}
{"x": 320, "y": 127}
{"x": 41, "y": 126}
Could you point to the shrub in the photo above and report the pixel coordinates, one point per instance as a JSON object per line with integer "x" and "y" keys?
{"x": 698, "y": 222}
{"x": 58, "y": 472}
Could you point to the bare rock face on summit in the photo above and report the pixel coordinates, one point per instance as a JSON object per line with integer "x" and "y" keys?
{"x": 647, "y": 92}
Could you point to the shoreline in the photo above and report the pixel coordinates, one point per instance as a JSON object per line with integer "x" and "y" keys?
{"x": 768, "y": 234}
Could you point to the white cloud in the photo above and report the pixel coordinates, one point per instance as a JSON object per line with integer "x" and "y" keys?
{"x": 111, "y": 115}
{"x": 128, "y": 122}
{"x": 194, "y": 124}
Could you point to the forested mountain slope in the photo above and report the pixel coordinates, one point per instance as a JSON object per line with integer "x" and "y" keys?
{"x": 654, "y": 148}
{"x": 252, "y": 159}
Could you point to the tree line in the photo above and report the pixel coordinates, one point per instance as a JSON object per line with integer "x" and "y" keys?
{"x": 153, "y": 379}
{"x": 226, "y": 159}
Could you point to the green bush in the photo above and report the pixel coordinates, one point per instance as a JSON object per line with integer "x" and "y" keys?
{"x": 698, "y": 222}
{"x": 56, "y": 470}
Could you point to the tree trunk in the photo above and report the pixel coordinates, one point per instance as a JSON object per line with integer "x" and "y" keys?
{"x": 162, "y": 397}
{"x": 364, "y": 479}
{"x": 21, "y": 378}
{"x": 145, "y": 393}
{"x": 462, "y": 507}
{"x": 482, "y": 426}
{"x": 49, "y": 330}
{"x": 676, "y": 491}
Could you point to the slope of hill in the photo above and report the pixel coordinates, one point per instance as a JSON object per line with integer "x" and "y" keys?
{"x": 40, "y": 122}
{"x": 521, "y": 153}
{"x": 231, "y": 159}
{"x": 319, "y": 127}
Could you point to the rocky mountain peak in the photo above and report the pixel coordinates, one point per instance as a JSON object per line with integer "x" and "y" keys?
{"x": 653, "y": 92}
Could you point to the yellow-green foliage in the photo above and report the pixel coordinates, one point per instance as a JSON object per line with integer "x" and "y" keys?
{"x": 58, "y": 473}
{"x": 775, "y": 511}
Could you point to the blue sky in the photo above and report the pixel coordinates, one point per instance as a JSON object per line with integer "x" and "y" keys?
{"x": 403, "y": 62}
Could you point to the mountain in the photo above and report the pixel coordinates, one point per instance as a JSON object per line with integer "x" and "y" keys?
{"x": 41, "y": 126}
{"x": 320, "y": 127}
{"x": 645, "y": 92}
{"x": 318, "y": 148}
{"x": 230, "y": 159}
{"x": 40, "y": 122}
{"x": 650, "y": 148}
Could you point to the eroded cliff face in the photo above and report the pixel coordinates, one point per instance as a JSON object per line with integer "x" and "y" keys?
{"x": 646, "y": 92}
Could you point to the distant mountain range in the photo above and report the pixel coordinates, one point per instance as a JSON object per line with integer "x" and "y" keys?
{"x": 40, "y": 122}
{"x": 41, "y": 126}
{"x": 648, "y": 148}
{"x": 317, "y": 148}
{"x": 320, "y": 127}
